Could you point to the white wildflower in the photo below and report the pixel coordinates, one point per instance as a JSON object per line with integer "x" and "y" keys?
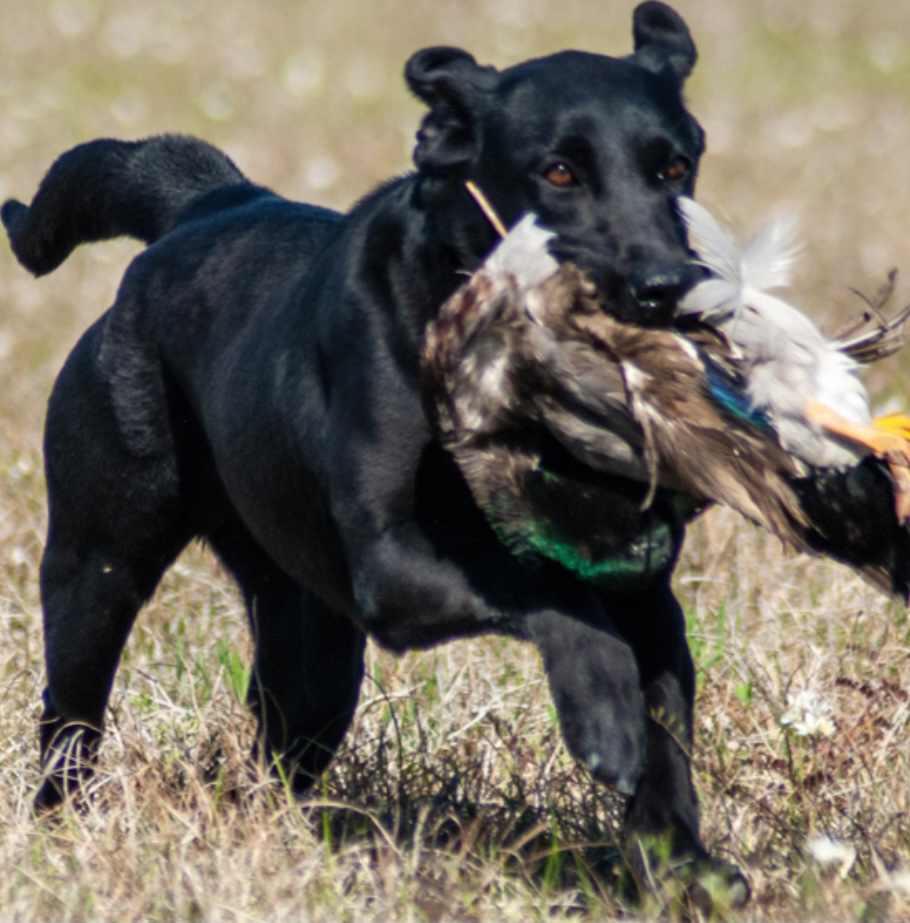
{"x": 900, "y": 880}
{"x": 808, "y": 714}
{"x": 826, "y": 851}
{"x": 897, "y": 880}
{"x": 18, "y": 556}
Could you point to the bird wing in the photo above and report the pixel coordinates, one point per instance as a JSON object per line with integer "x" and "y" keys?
{"x": 699, "y": 426}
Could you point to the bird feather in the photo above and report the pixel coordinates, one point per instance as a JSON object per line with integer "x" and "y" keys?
{"x": 788, "y": 361}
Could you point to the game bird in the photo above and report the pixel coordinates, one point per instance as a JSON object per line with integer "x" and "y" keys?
{"x": 718, "y": 408}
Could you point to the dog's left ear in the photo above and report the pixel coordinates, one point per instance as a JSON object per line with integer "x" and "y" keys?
{"x": 451, "y": 83}
{"x": 663, "y": 43}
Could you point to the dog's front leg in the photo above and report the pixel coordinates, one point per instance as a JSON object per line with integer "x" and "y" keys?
{"x": 411, "y": 596}
{"x": 662, "y": 824}
{"x": 665, "y": 803}
{"x": 415, "y": 588}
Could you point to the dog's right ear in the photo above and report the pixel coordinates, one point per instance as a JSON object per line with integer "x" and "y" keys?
{"x": 451, "y": 83}
{"x": 663, "y": 43}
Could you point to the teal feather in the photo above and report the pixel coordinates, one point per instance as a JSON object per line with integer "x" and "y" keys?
{"x": 727, "y": 392}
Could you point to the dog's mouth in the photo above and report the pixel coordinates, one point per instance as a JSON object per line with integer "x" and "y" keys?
{"x": 646, "y": 292}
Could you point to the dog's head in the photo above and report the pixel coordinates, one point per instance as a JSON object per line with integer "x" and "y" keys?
{"x": 599, "y": 148}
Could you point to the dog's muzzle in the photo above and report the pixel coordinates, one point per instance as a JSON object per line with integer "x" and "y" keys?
{"x": 656, "y": 287}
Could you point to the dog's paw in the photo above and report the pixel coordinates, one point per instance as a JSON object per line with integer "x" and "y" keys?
{"x": 716, "y": 886}
{"x": 677, "y": 887}
{"x": 710, "y": 886}
{"x": 603, "y": 727}
{"x": 595, "y": 685}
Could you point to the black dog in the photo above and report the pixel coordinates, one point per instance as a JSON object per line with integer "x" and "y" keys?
{"x": 256, "y": 385}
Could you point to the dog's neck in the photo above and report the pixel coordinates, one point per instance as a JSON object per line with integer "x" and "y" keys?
{"x": 418, "y": 251}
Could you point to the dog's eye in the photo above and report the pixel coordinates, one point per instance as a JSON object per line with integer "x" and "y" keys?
{"x": 677, "y": 169}
{"x": 559, "y": 174}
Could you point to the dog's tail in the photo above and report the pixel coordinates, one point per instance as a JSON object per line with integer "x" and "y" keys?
{"x": 105, "y": 189}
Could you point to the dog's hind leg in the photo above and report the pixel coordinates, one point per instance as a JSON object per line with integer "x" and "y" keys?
{"x": 115, "y": 525}
{"x": 307, "y": 669}
{"x": 91, "y": 594}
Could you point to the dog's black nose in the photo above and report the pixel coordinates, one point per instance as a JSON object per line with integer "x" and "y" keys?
{"x": 658, "y": 285}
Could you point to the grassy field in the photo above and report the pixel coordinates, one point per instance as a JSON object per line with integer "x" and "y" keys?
{"x": 453, "y": 798}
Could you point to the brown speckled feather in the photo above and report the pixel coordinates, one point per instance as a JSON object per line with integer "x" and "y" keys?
{"x": 622, "y": 399}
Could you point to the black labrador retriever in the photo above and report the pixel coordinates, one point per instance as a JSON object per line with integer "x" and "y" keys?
{"x": 256, "y": 385}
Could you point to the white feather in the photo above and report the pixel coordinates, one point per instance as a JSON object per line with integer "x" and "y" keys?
{"x": 523, "y": 254}
{"x": 519, "y": 264}
{"x": 788, "y": 360}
